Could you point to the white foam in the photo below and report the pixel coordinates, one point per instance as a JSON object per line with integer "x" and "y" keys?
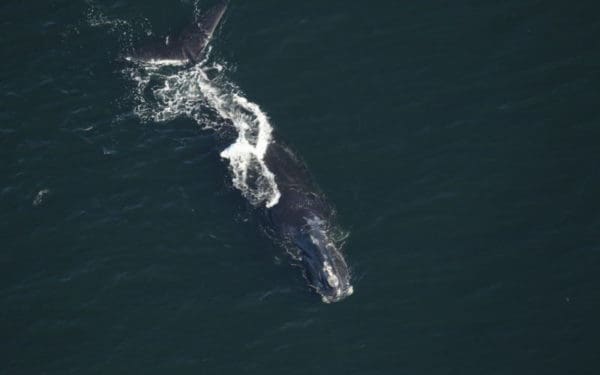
{"x": 163, "y": 96}
{"x": 122, "y": 29}
{"x": 159, "y": 62}
{"x": 39, "y": 198}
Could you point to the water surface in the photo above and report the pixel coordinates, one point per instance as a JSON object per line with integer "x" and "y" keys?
{"x": 457, "y": 140}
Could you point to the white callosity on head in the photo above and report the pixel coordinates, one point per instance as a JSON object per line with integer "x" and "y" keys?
{"x": 319, "y": 241}
{"x": 319, "y": 235}
{"x": 332, "y": 279}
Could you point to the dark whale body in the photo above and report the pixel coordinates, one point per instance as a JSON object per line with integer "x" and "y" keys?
{"x": 301, "y": 221}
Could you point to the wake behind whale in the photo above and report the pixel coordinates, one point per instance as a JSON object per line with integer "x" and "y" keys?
{"x": 163, "y": 95}
{"x": 275, "y": 182}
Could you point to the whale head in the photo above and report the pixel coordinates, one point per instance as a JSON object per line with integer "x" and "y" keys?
{"x": 323, "y": 263}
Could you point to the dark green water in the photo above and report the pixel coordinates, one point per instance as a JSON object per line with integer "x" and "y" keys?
{"x": 457, "y": 140}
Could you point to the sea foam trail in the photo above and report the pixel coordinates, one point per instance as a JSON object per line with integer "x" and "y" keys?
{"x": 164, "y": 93}
{"x": 164, "y": 90}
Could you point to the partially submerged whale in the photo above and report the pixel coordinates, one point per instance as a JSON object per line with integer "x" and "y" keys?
{"x": 302, "y": 219}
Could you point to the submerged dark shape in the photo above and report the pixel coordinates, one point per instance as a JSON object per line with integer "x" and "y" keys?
{"x": 302, "y": 221}
{"x": 190, "y": 45}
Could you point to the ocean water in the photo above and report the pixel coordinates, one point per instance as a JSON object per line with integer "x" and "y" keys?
{"x": 458, "y": 142}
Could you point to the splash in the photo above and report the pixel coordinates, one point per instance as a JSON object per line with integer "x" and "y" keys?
{"x": 125, "y": 31}
{"x": 163, "y": 93}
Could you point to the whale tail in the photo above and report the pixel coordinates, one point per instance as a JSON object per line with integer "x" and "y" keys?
{"x": 189, "y": 47}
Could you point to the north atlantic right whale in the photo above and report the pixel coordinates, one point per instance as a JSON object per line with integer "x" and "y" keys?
{"x": 301, "y": 220}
